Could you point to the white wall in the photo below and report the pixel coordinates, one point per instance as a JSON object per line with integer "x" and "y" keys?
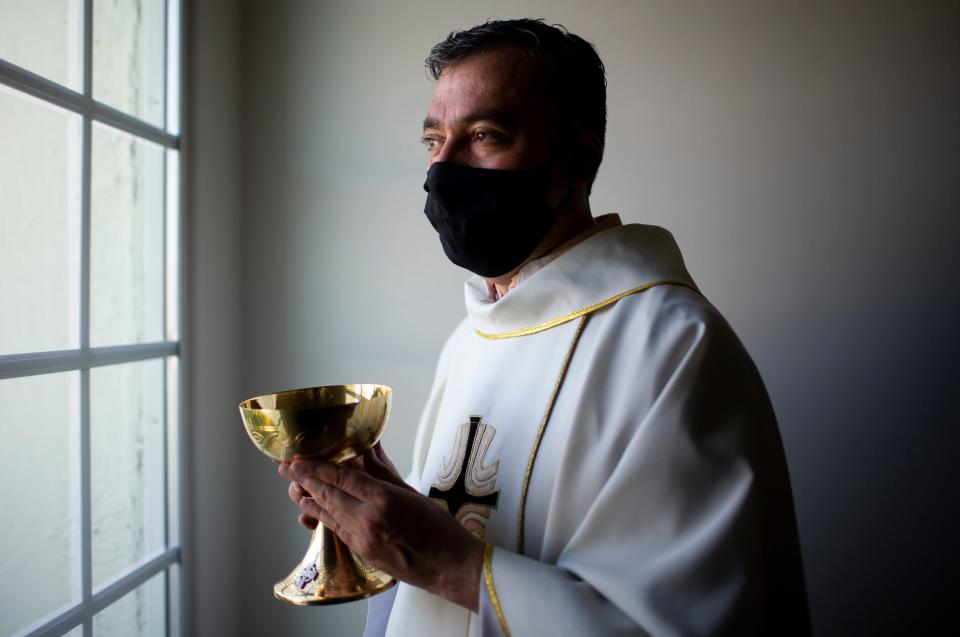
{"x": 805, "y": 157}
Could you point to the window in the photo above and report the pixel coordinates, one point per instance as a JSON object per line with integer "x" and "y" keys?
{"x": 89, "y": 317}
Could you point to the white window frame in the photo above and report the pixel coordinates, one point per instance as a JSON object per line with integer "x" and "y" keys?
{"x": 85, "y": 357}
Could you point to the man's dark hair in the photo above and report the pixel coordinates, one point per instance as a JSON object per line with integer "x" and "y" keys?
{"x": 573, "y": 72}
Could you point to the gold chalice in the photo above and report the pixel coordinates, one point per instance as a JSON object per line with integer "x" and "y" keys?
{"x": 333, "y": 423}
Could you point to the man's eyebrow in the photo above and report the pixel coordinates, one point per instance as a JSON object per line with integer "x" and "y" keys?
{"x": 492, "y": 115}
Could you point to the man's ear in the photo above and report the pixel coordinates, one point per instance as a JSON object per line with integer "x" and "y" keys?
{"x": 587, "y": 155}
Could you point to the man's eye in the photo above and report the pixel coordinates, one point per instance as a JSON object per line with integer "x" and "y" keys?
{"x": 486, "y": 137}
{"x": 432, "y": 143}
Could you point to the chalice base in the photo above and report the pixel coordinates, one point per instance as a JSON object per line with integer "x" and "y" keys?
{"x": 330, "y": 573}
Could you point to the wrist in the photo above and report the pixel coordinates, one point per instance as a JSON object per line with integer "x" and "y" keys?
{"x": 461, "y": 581}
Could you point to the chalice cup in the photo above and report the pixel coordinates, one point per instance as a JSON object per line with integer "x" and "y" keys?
{"x": 332, "y": 423}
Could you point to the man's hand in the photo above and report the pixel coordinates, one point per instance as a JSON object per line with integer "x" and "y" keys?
{"x": 389, "y": 524}
{"x": 375, "y": 462}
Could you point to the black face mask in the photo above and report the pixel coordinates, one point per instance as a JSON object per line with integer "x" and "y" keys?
{"x": 488, "y": 220}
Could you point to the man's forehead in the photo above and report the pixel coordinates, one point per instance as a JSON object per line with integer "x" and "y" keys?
{"x": 499, "y": 63}
{"x": 502, "y": 82}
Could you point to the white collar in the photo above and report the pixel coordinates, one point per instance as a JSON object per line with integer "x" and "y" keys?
{"x": 594, "y": 273}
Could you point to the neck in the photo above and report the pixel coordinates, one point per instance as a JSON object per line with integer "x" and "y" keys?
{"x": 562, "y": 236}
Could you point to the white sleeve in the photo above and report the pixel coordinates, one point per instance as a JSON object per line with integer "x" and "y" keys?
{"x": 428, "y": 418}
{"x": 380, "y": 606}
{"x": 691, "y": 534}
{"x": 378, "y": 612}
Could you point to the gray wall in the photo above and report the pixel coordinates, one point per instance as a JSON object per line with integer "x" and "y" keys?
{"x": 804, "y": 155}
{"x": 211, "y": 336}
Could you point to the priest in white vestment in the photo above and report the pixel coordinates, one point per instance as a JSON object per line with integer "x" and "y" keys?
{"x": 598, "y": 455}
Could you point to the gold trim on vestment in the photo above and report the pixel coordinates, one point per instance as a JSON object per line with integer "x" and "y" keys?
{"x": 583, "y": 312}
{"x": 543, "y": 427}
{"x": 488, "y": 578}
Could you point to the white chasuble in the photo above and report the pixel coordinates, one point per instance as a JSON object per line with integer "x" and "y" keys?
{"x": 601, "y": 428}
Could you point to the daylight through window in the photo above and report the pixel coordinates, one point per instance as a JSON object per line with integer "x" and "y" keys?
{"x": 89, "y": 317}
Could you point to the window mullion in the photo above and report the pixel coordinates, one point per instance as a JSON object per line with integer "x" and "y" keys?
{"x": 86, "y": 520}
{"x": 86, "y": 516}
{"x": 34, "y": 363}
{"x": 49, "y": 91}
{"x": 107, "y": 595}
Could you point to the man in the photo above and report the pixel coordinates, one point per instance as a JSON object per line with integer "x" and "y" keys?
{"x": 598, "y": 455}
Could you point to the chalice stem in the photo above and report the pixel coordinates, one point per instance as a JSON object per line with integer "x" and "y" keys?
{"x": 330, "y": 573}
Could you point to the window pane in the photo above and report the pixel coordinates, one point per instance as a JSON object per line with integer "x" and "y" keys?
{"x": 128, "y": 56}
{"x": 173, "y": 66}
{"x": 43, "y": 37}
{"x": 173, "y": 446}
{"x": 39, "y": 540}
{"x": 173, "y": 245}
{"x": 126, "y": 239}
{"x": 39, "y": 222}
{"x": 127, "y": 453}
{"x": 139, "y": 613}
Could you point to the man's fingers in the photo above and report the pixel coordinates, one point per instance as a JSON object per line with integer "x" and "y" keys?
{"x": 384, "y": 459}
{"x": 296, "y": 492}
{"x": 315, "y": 511}
{"x": 330, "y": 498}
{"x": 318, "y": 513}
{"x": 285, "y": 471}
{"x": 372, "y": 465}
{"x": 341, "y": 477}
{"x": 378, "y": 464}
